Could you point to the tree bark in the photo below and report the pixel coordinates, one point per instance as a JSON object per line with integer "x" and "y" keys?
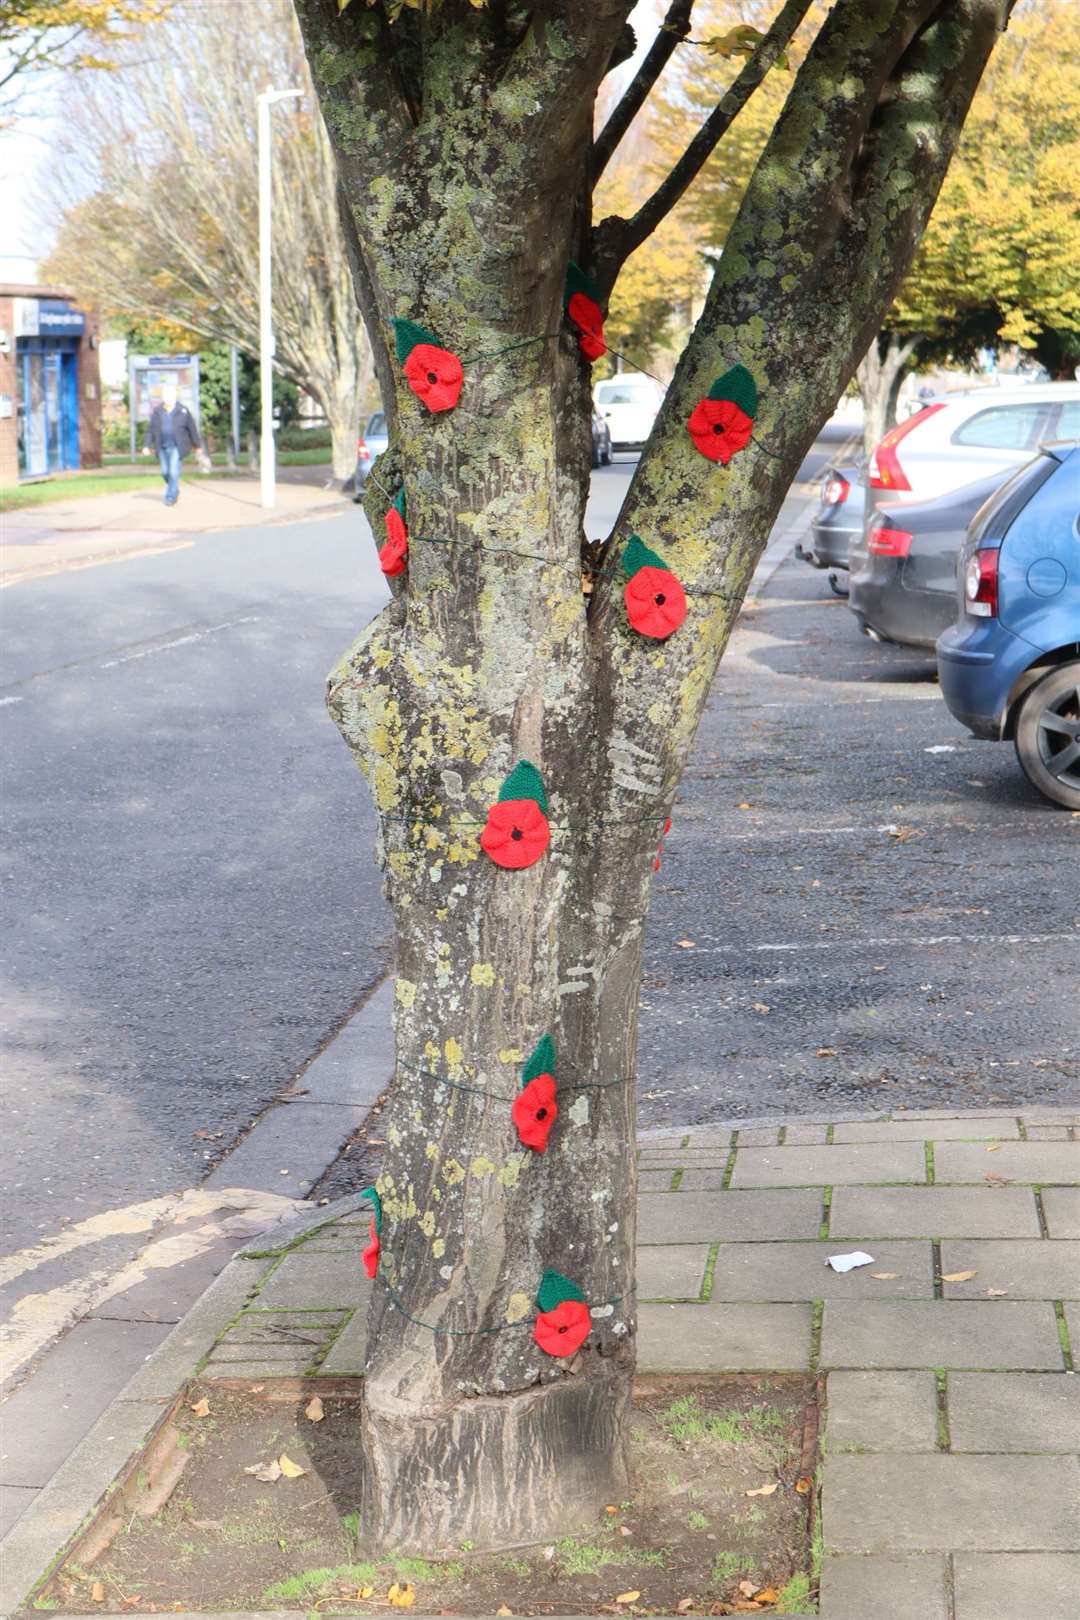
{"x": 463, "y": 158}
{"x": 879, "y": 374}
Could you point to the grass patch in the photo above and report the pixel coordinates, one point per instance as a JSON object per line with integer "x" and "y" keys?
{"x": 576, "y": 1557}
{"x": 725, "y": 1567}
{"x": 313, "y": 1583}
{"x": 697, "y": 1521}
{"x": 685, "y": 1420}
{"x": 794, "y": 1596}
{"x": 62, "y": 489}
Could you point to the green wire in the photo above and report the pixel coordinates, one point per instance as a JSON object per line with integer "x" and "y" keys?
{"x": 468, "y": 1333}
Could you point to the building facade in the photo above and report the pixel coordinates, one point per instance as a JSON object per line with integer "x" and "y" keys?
{"x": 50, "y": 388}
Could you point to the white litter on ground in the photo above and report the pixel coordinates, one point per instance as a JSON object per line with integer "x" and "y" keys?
{"x": 848, "y": 1262}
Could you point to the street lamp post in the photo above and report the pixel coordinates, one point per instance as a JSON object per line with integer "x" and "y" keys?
{"x": 267, "y": 455}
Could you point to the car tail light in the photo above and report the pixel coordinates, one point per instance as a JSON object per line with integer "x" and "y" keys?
{"x": 834, "y": 490}
{"x": 362, "y": 451}
{"x": 883, "y": 542}
{"x": 981, "y": 585}
{"x": 885, "y": 471}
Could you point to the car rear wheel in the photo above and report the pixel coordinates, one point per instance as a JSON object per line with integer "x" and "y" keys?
{"x": 1048, "y": 735}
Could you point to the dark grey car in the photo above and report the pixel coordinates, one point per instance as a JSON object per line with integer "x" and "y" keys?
{"x": 903, "y": 570}
{"x": 839, "y": 517}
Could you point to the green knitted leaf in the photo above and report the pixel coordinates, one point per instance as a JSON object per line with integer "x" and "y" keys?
{"x": 638, "y": 556}
{"x": 541, "y": 1062}
{"x": 578, "y": 282}
{"x": 738, "y": 386}
{"x": 370, "y": 1196}
{"x": 524, "y": 782}
{"x": 554, "y": 1289}
{"x": 399, "y": 502}
{"x": 407, "y": 335}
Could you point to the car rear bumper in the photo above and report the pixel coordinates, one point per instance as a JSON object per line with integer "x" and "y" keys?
{"x": 910, "y": 618}
{"x": 830, "y": 544}
{"x": 979, "y": 663}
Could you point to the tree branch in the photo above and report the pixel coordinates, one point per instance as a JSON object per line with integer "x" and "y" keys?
{"x": 617, "y": 238}
{"x": 673, "y": 30}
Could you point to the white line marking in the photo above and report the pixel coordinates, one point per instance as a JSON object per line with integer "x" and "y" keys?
{"x": 5, "y": 701}
{"x": 179, "y": 641}
{"x": 926, "y": 939}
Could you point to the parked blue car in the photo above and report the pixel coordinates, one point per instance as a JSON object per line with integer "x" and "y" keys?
{"x": 1010, "y": 665}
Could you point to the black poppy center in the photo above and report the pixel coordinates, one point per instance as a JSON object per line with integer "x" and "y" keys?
{"x": 718, "y": 427}
{"x": 517, "y": 834}
{"x": 432, "y": 376}
{"x": 659, "y": 598}
{"x": 541, "y": 1113}
{"x": 563, "y": 1328}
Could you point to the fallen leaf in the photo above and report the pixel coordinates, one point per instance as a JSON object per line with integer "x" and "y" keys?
{"x": 685, "y": 944}
{"x": 997, "y": 1293}
{"x": 749, "y": 1588}
{"x": 256, "y": 1389}
{"x": 628, "y": 1597}
{"x": 364, "y": 1592}
{"x": 902, "y": 834}
{"x": 202, "y": 1408}
{"x": 768, "y": 1594}
{"x": 995, "y": 1147}
{"x": 804, "y": 1485}
{"x": 995, "y": 1179}
{"x": 314, "y": 1410}
{"x": 885, "y": 1276}
{"x": 957, "y": 1276}
{"x": 269, "y": 1472}
{"x": 625, "y": 1530}
{"x": 97, "y": 1592}
{"x": 761, "y": 1006}
{"x": 825, "y": 1051}
{"x": 402, "y": 1597}
{"x": 611, "y": 1508}
{"x": 502, "y": 1609}
{"x": 745, "y": 806}
{"x": 684, "y": 1604}
{"x": 764, "y": 1490}
{"x": 290, "y": 1469}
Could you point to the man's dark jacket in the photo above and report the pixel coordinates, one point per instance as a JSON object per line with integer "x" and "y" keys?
{"x": 187, "y": 434}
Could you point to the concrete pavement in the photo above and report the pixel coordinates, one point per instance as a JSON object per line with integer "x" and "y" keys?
{"x": 950, "y": 1471}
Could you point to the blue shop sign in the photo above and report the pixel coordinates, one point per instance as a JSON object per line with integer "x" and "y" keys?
{"x": 57, "y": 319}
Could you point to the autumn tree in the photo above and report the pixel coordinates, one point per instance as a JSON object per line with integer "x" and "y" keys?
{"x": 155, "y": 173}
{"x": 464, "y": 136}
{"x": 40, "y": 35}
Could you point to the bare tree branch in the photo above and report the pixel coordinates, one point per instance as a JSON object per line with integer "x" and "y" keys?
{"x": 617, "y": 238}
{"x": 673, "y": 30}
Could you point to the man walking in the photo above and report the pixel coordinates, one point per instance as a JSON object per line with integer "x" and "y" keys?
{"x": 172, "y": 432}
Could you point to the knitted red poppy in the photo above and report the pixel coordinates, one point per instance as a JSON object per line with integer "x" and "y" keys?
{"x": 660, "y": 845}
{"x": 721, "y": 423}
{"x": 564, "y": 1322}
{"x": 433, "y": 373}
{"x": 370, "y": 1255}
{"x": 581, "y": 300}
{"x": 655, "y": 601}
{"x": 517, "y": 833}
{"x": 564, "y": 1330}
{"x": 534, "y": 1108}
{"x": 393, "y": 555}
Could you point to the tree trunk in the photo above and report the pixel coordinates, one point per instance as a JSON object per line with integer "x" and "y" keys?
{"x": 880, "y": 374}
{"x": 467, "y": 189}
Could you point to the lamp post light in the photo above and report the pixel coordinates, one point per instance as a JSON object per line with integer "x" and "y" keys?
{"x": 267, "y": 454}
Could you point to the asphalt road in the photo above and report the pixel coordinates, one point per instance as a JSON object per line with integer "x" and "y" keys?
{"x": 192, "y": 908}
{"x": 860, "y": 906}
{"x": 190, "y": 898}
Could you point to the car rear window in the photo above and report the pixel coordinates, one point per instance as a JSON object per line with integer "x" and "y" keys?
{"x": 1068, "y": 423}
{"x": 995, "y": 518}
{"x": 625, "y": 394}
{"x": 377, "y": 423}
{"x": 1003, "y": 427}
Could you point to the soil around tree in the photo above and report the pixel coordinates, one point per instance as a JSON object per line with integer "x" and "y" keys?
{"x": 721, "y": 1519}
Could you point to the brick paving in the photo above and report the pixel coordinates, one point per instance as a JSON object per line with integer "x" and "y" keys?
{"x": 950, "y": 1473}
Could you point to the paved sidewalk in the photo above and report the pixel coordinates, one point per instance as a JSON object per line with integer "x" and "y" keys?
{"x": 950, "y": 1478}
{"x": 88, "y": 529}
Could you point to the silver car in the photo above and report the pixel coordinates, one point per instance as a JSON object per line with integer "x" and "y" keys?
{"x": 372, "y": 442}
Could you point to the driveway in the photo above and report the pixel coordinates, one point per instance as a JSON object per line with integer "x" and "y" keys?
{"x": 860, "y": 905}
